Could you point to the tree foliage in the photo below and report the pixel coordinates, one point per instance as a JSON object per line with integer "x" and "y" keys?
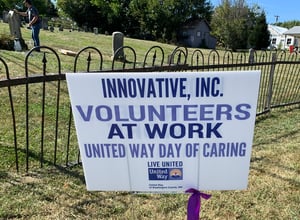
{"x": 288, "y": 24}
{"x": 154, "y": 19}
{"x": 259, "y": 37}
{"x": 237, "y": 26}
{"x": 161, "y": 19}
{"x": 45, "y": 7}
{"x": 229, "y": 23}
{"x": 82, "y": 12}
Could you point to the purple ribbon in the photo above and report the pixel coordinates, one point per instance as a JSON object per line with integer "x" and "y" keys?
{"x": 194, "y": 204}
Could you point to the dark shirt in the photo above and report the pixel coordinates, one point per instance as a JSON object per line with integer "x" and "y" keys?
{"x": 32, "y": 12}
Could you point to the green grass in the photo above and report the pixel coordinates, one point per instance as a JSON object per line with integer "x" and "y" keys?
{"x": 273, "y": 191}
{"x": 53, "y": 193}
{"x": 73, "y": 41}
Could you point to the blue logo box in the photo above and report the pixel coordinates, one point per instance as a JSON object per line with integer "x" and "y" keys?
{"x": 165, "y": 173}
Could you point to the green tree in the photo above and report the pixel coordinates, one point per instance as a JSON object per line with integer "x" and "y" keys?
{"x": 6, "y": 5}
{"x": 162, "y": 18}
{"x": 116, "y": 13}
{"x": 288, "y": 24}
{"x": 259, "y": 37}
{"x": 82, "y": 12}
{"x": 107, "y": 15}
{"x": 237, "y": 26}
{"x": 45, "y": 7}
{"x": 230, "y": 23}
{"x": 156, "y": 19}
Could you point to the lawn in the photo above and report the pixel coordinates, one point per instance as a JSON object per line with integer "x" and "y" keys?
{"x": 54, "y": 193}
{"x": 273, "y": 190}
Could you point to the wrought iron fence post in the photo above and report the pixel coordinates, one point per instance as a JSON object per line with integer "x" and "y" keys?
{"x": 277, "y": 89}
{"x": 270, "y": 85}
{"x": 251, "y": 56}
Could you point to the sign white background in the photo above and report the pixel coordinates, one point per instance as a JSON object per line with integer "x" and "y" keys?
{"x": 213, "y": 166}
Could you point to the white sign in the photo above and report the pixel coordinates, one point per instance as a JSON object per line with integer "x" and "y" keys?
{"x": 165, "y": 132}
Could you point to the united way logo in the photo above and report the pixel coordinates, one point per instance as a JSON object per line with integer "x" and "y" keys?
{"x": 176, "y": 174}
{"x": 165, "y": 173}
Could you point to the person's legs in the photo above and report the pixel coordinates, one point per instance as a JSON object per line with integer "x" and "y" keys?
{"x": 35, "y": 36}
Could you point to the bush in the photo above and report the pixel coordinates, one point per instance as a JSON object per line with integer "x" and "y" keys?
{"x": 6, "y": 42}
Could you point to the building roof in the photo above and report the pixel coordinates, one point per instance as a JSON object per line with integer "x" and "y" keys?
{"x": 294, "y": 31}
{"x": 191, "y": 23}
{"x": 278, "y": 30}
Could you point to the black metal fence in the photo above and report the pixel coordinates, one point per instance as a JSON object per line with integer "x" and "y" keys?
{"x": 37, "y": 126}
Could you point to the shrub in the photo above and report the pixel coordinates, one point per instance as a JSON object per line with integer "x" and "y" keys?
{"x": 6, "y": 42}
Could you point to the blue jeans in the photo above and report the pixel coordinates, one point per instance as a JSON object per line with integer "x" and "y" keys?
{"x": 35, "y": 31}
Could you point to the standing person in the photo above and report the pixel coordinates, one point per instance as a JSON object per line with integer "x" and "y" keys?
{"x": 34, "y": 21}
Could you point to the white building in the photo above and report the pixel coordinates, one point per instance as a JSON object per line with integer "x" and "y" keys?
{"x": 279, "y": 39}
{"x": 295, "y": 33}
